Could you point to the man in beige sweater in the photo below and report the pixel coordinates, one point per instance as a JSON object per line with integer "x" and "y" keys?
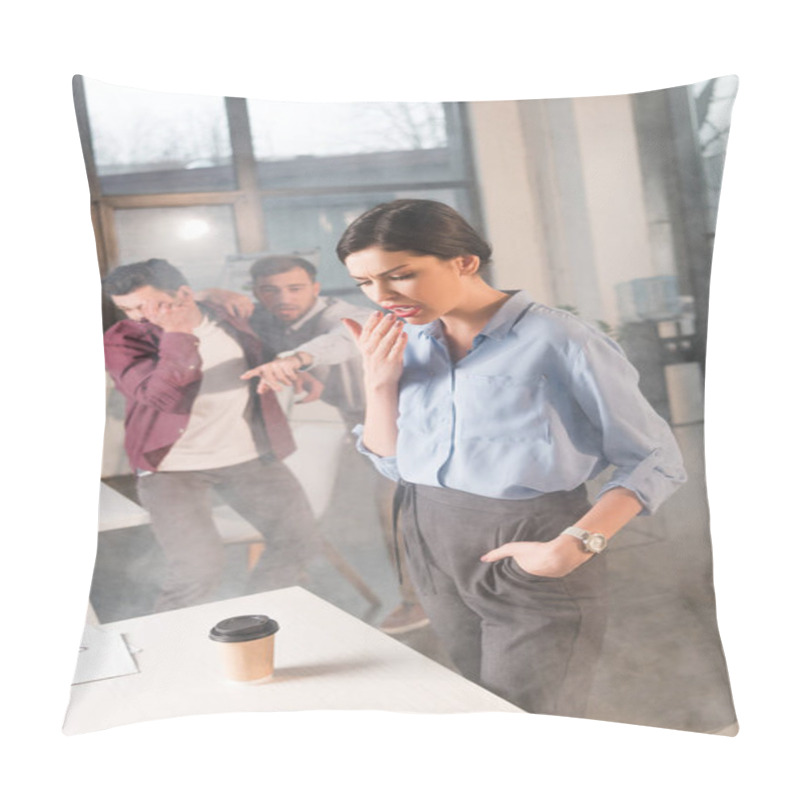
{"x": 192, "y": 425}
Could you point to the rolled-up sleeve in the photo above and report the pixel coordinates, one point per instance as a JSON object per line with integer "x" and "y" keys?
{"x": 386, "y": 465}
{"x": 327, "y": 349}
{"x": 635, "y": 439}
{"x": 335, "y": 345}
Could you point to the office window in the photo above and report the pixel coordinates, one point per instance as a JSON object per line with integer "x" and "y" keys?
{"x": 286, "y": 130}
{"x": 345, "y": 144}
{"x": 196, "y": 239}
{"x": 713, "y": 104}
{"x": 201, "y": 180}
{"x": 152, "y": 142}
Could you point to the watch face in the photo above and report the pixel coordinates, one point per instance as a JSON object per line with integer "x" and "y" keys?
{"x": 595, "y": 543}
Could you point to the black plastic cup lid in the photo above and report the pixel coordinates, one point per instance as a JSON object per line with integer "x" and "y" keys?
{"x": 243, "y": 629}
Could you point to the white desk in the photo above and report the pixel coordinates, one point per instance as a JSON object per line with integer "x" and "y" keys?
{"x": 117, "y": 512}
{"x": 324, "y": 659}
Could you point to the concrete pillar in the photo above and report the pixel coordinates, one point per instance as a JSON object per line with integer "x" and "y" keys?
{"x": 563, "y": 198}
{"x": 556, "y": 175}
{"x": 510, "y": 204}
{"x": 614, "y": 194}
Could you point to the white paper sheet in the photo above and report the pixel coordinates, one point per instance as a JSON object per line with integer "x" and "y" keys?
{"x": 102, "y": 655}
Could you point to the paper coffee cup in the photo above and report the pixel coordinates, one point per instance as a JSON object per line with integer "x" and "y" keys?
{"x": 247, "y": 646}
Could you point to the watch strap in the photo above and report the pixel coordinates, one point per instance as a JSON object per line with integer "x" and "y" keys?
{"x": 592, "y": 542}
{"x": 304, "y": 359}
{"x": 578, "y": 533}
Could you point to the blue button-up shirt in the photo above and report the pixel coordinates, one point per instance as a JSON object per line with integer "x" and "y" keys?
{"x": 541, "y": 403}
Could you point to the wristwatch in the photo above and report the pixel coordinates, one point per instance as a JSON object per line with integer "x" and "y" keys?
{"x": 592, "y": 542}
{"x": 304, "y": 363}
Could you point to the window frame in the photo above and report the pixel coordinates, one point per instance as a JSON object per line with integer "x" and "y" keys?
{"x": 246, "y": 199}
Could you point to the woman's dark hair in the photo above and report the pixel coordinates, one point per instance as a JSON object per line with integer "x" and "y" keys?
{"x": 156, "y": 272}
{"x": 425, "y": 227}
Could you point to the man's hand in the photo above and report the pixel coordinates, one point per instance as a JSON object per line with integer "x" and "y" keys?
{"x": 553, "y": 559}
{"x": 236, "y": 304}
{"x": 177, "y": 316}
{"x": 307, "y": 383}
{"x": 275, "y": 374}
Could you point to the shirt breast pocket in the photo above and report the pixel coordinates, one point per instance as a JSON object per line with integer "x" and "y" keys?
{"x": 503, "y": 407}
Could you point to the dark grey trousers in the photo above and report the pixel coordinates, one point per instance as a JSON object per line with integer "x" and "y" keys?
{"x": 529, "y": 639}
{"x": 264, "y": 492}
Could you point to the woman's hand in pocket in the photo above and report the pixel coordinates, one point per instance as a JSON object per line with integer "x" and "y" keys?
{"x": 553, "y": 559}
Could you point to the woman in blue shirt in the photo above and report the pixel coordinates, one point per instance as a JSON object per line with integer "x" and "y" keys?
{"x": 492, "y": 411}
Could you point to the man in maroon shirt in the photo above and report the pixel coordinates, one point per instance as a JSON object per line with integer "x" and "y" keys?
{"x": 192, "y": 424}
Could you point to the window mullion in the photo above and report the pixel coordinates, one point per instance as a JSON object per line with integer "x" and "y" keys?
{"x": 247, "y": 206}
